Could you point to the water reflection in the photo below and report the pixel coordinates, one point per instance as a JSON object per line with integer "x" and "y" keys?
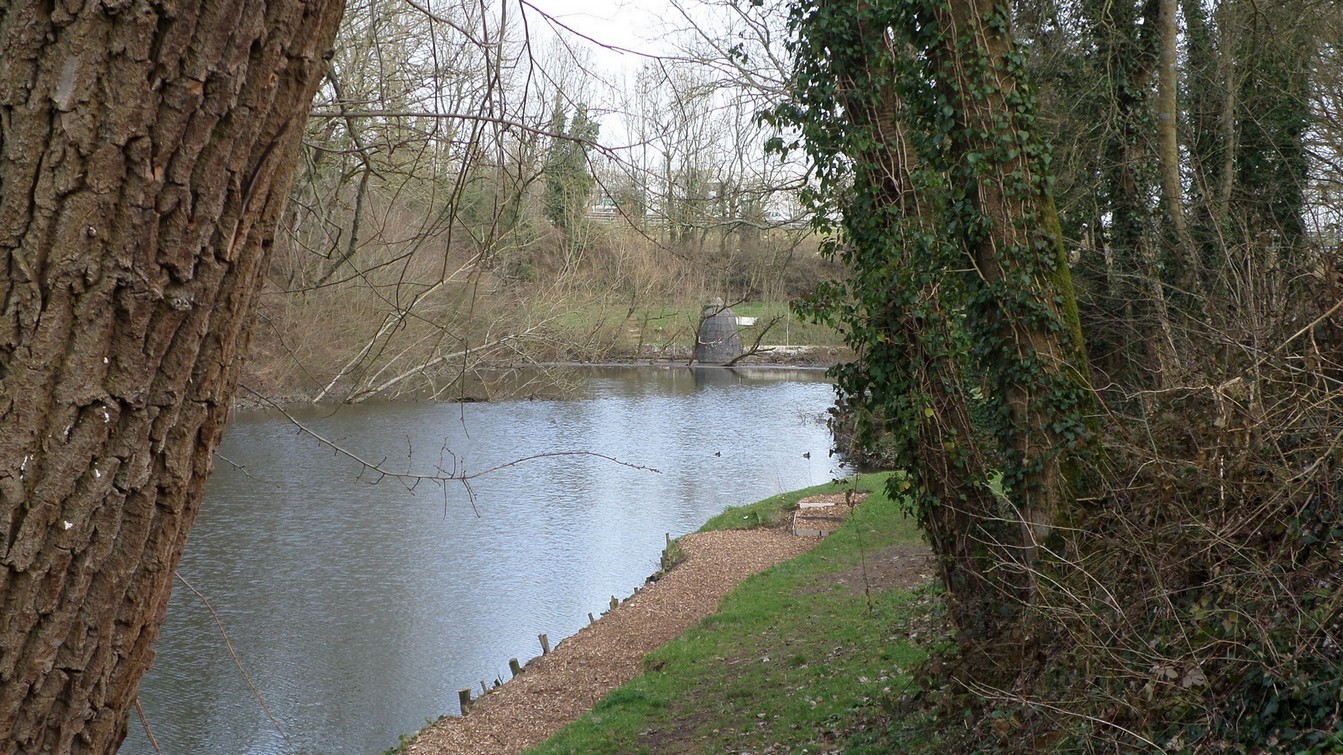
{"x": 359, "y": 609}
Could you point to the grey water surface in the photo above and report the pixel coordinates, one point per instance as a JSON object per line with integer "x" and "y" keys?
{"x": 359, "y": 606}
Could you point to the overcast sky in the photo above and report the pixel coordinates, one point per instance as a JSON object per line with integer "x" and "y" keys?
{"x": 630, "y": 24}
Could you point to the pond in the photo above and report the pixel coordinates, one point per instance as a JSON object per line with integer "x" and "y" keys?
{"x": 358, "y": 605}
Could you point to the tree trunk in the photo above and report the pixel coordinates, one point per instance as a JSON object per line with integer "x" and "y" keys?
{"x": 1226, "y": 126}
{"x": 1168, "y": 147}
{"x": 951, "y": 466}
{"x": 145, "y": 156}
{"x": 1025, "y": 319}
{"x": 917, "y": 374}
{"x": 1167, "y": 124}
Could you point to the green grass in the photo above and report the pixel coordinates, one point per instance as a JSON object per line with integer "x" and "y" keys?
{"x": 775, "y": 510}
{"x": 614, "y": 326}
{"x": 794, "y": 659}
{"x": 789, "y": 329}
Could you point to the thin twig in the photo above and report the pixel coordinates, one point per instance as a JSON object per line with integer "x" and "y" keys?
{"x": 144, "y": 724}
{"x": 990, "y": 693}
{"x": 1311, "y": 326}
{"x": 236, "y": 660}
{"x": 411, "y": 478}
{"x": 241, "y": 468}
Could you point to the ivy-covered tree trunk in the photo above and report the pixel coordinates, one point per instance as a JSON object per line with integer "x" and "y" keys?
{"x": 1023, "y": 316}
{"x": 914, "y": 364}
{"x": 145, "y": 155}
{"x": 1127, "y": 52}
{"x": 958, "y": 280}
{"x": 1210, "y": 97}
{"x": 1273, "y": 119}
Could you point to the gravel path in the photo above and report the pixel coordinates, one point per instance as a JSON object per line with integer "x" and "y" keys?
{"x": 558, "y": 688}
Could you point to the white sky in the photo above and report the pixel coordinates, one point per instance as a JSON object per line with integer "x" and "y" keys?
{"x": 637, "y": 25}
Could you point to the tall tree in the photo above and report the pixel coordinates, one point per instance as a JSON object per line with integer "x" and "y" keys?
{"x": 1022, "y": 311}
{"x": 922, "y": 133}
{"x": 145, "y": 156}
{"x": 1249, "y": 78}
{"x": 1274, "y": 101}
{"x": 569, "y": 180}
{"x": 913, "y": 374}
{"x": 1133, "y": 55}
{"x": 1167, "y": 120}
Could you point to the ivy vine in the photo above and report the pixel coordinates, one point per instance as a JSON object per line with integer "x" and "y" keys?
{"x": 930, "y": 182}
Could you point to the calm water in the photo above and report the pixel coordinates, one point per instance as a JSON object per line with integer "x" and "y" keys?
{"x": 359, "y": 609}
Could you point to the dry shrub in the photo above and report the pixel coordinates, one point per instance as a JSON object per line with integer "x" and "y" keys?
{"x": 396, "y": 308}
{"x": 1197, "y": 606}
{"x": 1205, "y": 612}
{"x": 417, "y": 307}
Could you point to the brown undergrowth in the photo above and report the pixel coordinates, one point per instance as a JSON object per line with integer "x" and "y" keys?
{"x": 409, "y": 318}
{"x": 1197, "y": 606}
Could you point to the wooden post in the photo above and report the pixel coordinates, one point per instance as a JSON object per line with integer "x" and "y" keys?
{"x": 545, "y": 644}
{"x": 483, "y": 689}
{"x": 590, "y": 619}
{"x": 464, "y": 697}
{"x": 614, "y": 602}
{"x": 514, "y": 666}
{"x": 668, "y": 539}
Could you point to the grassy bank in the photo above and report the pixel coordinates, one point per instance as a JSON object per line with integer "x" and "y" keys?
{"x": 402, "y": 318}
{"x": 305, "y": 360}
{"x": 594, "y": 329}
{"x": 804, "y": 657}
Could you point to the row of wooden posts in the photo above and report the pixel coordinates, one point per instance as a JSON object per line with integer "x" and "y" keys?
{"x": 515, "y": 668}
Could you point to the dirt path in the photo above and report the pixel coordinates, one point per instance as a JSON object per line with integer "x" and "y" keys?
{"x": 558, "y": 688}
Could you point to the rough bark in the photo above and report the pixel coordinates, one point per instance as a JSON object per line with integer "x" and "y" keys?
{"x": 145, "y": 154}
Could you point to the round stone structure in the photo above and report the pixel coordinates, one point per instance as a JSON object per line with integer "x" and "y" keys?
{"x": 718, "y": 340}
